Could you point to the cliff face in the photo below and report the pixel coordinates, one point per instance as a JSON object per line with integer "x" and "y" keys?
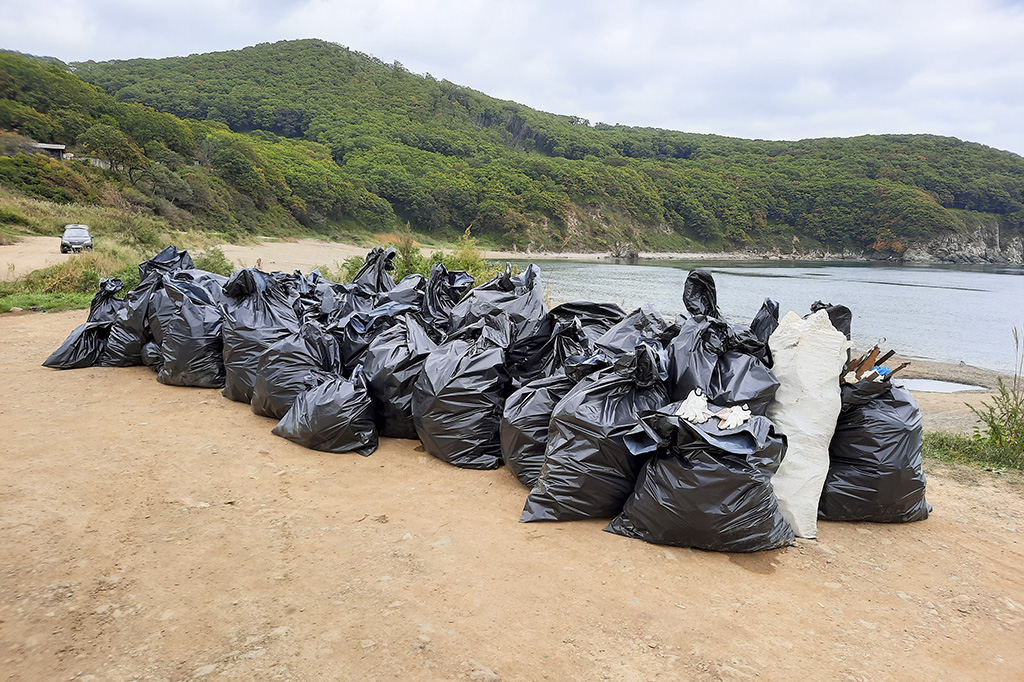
{"x": 981, "y": 242}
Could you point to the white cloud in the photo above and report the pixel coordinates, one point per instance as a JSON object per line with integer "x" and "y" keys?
{"x": 784, "y": 69}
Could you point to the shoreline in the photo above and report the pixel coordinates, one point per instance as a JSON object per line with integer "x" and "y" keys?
{"x": 915, "y": 258}
{"x": 34, "y": 252}
{"x": 654, "y": 256}
{"x": 338, "y": 251}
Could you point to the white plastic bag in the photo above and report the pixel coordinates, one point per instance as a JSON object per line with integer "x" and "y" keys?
{"x": 809, "y": 355}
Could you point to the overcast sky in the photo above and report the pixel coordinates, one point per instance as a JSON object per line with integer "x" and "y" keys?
{"x": 775, "y": 69}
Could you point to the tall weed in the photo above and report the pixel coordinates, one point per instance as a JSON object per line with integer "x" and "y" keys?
{"x": 466, "y": 256}
{"x": 81, "y": 273}
{"x": 408, "y": 260}
{"x": 1003, "y": 418}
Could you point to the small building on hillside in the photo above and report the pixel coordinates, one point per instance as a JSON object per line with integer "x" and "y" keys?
{"x": 54, "y": 150}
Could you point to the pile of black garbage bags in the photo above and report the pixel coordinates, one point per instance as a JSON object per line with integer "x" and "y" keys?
{"x": 583, "y": 402}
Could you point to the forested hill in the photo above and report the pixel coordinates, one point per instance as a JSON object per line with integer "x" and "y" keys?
{"x": 412, "y": 148}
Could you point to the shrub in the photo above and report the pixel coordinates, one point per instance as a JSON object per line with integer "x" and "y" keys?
{"x": 212, "y": 259}
{"x": 466, "y": 256}
{"x": 44, "y": 178}
{"x": 1003, "y": 418}
{"x": 408, "y": 259}
{"x": 13, "y": 143}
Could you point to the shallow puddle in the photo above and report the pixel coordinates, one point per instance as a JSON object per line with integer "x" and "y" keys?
{"x": 936, "y": 386}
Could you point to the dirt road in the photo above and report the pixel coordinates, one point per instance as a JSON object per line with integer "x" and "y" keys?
{"x": 30, "y": 253}
{"x": 161, "y": 533}
{"x": 33, "y": 253}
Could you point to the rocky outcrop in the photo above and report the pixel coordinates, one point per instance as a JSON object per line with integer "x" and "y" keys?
{"x": 980, "y": 243}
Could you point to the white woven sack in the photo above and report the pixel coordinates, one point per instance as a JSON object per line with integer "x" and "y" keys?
{"x": 809, "y": 356}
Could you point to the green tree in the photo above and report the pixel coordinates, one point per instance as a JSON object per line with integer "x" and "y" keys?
{"x": 109, "y": 143}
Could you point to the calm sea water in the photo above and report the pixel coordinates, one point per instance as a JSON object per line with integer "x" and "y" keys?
{"x": 947, "y": 314}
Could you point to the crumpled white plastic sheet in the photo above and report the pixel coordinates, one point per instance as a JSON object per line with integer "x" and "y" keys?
{"x": 809, "y": 356}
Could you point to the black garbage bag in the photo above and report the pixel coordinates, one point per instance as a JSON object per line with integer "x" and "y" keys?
{"x": 308, "y": 304}
{"x": 131, "y": 330}
{"x": 374, "y": 277}
{"x": 569, "y": 340}
{"x": 595, "y": 318}
{"x": 192, "y": 349}
{"x": 282, "y": 369}
{"x": 82, "y": 348}
{"x": 588, "y": 471}
{"x": 521, "y": 298}
{"x": 210, "y": 282}
{"x": 391, "y": 364}
{"x": 305, "y": 285}
{"x": 705, "y": 487}
{"x": 570, "y": 330}
{"x": 527, "y": 414}
{"x": 410, "y": 291}
{"x": 160, "y": 310}
{"x": 355, "y": 332}
{"x": 764, "y": 324}
{"x": 444, "y": 290}
{"x": 151, "y": 356}
{"x": 257, "y": 314}
{"x": 840, "y": 316}
{"x": 295, "y": 287}
{"x": 730, "y": 363}
{"x": 700, "y": 296}
{"x": 701, "y": 300}
{"x": 708, "y": 355}
{"x": 340, "y": 300}
{"x": 295, "y": 282}
{"x": 200, "y": 285}
{"x": 875, "y": 472}
{"x": 643, "y": 324}
{"x": 459, "y": 395}
{"x": 524, "y": 425}
{"x": 334, "y": 415}
{"x": 171, "y": 259}
{"x": 125, "y": 341}
{"x": 105, "y": 305}
{"x": 85, "y": 345}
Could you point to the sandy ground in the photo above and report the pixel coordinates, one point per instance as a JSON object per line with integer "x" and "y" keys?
{"x": 160, "y": 533}
{"x": 306, "y": 254}
{"x": 30, "y": 253}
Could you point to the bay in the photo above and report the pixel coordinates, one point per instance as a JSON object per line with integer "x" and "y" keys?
{"x": 942, "y": 313}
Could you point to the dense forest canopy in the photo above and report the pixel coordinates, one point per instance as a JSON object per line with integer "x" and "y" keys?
{"x": 311, "y": 132}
